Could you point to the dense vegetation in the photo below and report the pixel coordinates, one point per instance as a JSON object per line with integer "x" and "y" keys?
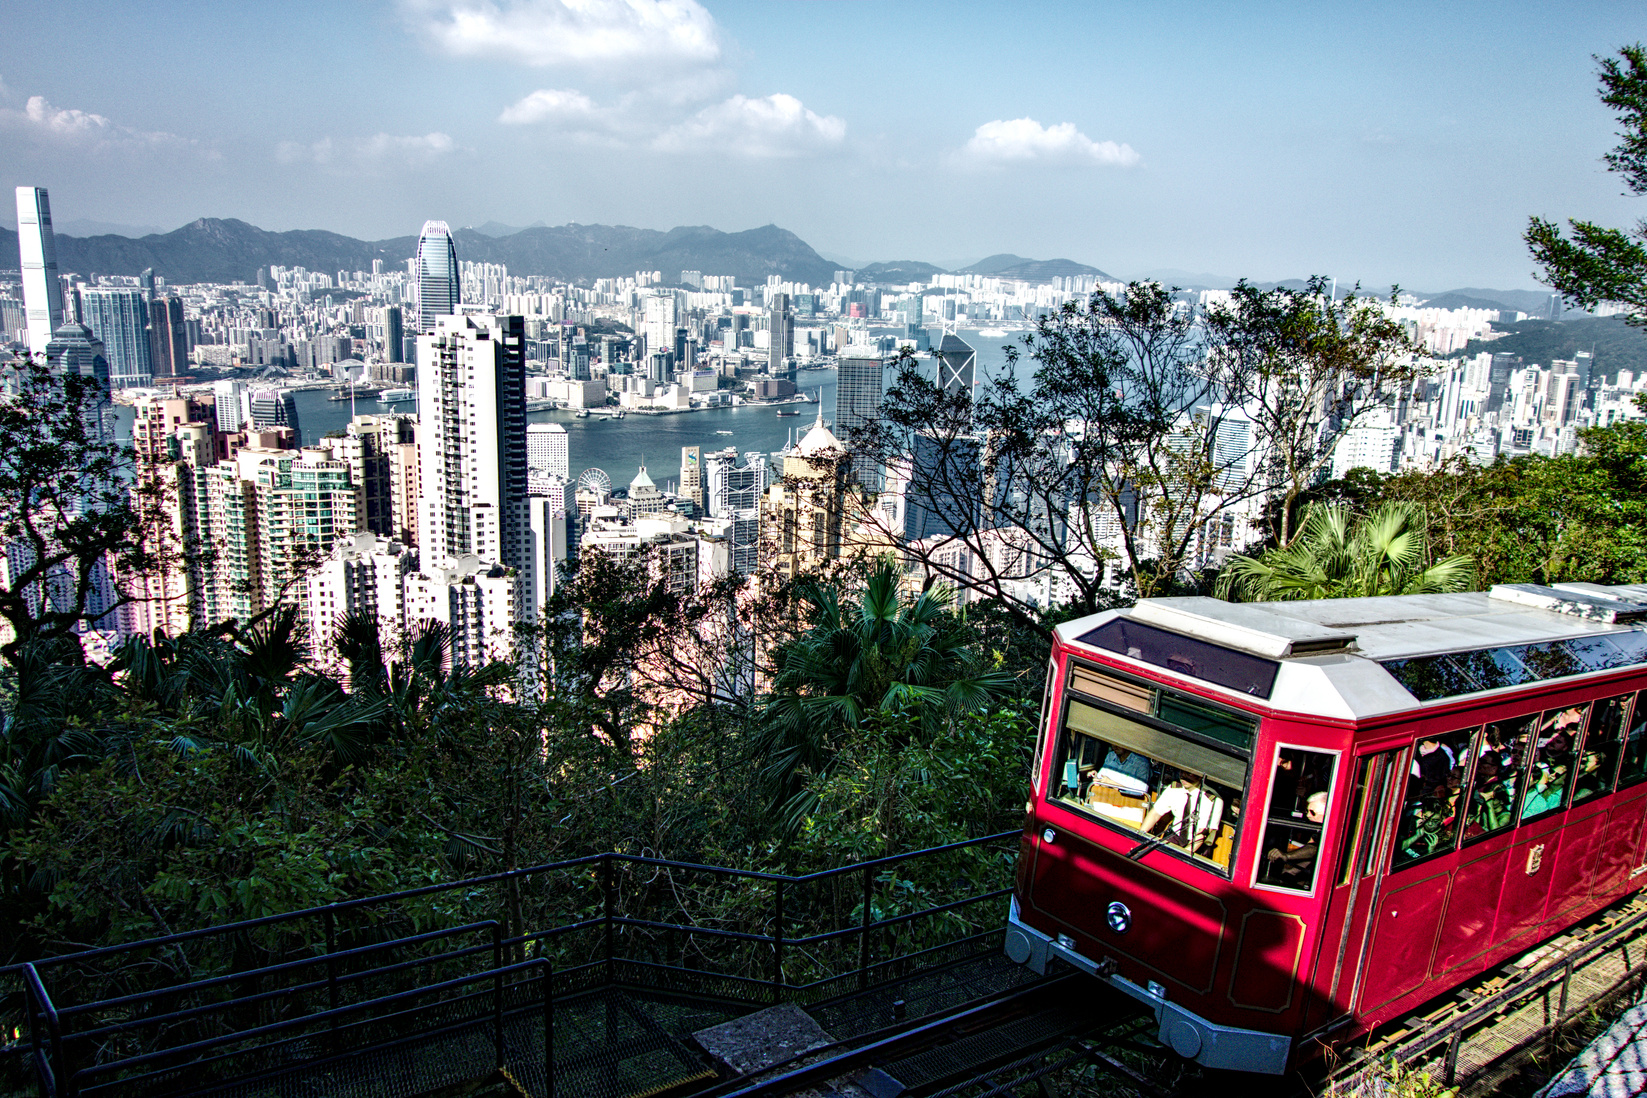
{"x": 1615, "y": 344}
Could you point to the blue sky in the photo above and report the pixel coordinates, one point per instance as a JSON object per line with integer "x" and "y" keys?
{"x": 1387, "y": 142}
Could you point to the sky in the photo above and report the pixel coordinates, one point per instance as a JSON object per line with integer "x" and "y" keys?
{"x": 1392, "y": 142}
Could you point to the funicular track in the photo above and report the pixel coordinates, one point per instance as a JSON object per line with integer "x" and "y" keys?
{"x": 1512, "y": 1020}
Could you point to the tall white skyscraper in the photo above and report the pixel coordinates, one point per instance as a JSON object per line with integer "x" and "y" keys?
{"x": 438, "y": 285}
{"x": 547, "y": 452}
{"x": 472, "y": 440}
{"x": 37, "y": 251}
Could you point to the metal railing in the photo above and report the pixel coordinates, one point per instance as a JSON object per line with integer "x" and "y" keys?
{"x": 286, "y": 992}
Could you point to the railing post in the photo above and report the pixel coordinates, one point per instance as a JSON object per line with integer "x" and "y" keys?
{"x": 330, "y": 919}
{"x": 1449, "y": 1067}
{"x": 863, "y": 933}
{"x": 548, "y": 1030}
{"x": 497, "y": 991}
{"x": 608, "y": 904}
{"x": 777, "y": 944}
{"x": 61, "y": 1082}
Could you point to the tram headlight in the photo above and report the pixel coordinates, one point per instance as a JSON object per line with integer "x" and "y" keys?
{"x": 1119, "y": 917}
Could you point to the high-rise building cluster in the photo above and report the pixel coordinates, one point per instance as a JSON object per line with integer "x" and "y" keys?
{"x": 442, "y": 502}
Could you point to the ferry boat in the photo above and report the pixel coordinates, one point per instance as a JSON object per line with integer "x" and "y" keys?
{"x": 727, "y": 432}
{"x": 582, "y": 413}
{"x": 791, "y": 412}
{"x": 395, "y": 396}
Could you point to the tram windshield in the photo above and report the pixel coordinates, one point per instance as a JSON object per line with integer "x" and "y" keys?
{"x": 1173, "y": 774}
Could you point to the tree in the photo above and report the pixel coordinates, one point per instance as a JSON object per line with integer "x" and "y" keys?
{"x": 1336, "y": 556}
{"x": 1305, "y": 367}
{"x": 1115, "y": 449}
{"x": 1597, "y": 264}
{"x": 68, "y": 524}
{"x": 887, "y": 654}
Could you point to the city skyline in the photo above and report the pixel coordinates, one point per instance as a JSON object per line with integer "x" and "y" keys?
{"x": 1395, "y": 144}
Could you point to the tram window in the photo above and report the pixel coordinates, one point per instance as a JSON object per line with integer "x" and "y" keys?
{"x": 1497, "y": 780}
{"x": 1633, "y": 768}
{"x": 1357, "y": 817}
{"x": 1299, "y": 792}
{"x": 1435, "y": 789}
{"x": 1599, "y": 758}
{"x": 1550, "y": 762}
{"x": 1158, "y": 783}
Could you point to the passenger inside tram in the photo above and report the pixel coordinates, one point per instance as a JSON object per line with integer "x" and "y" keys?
{"x": 1169, "y": 790}
{"x": 1558, "y": 732}
{"x": 1299, "y": 796}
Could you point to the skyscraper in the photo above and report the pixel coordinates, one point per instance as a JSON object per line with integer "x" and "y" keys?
{"x": 472, "y": 438}
{"x": 120, "y": 317}
{"x": 691, "y": 486}
{"x": 74, "y": 349}
{"x": 37, "y": 253}
{"x": 859, "y": 389}
{"x": 957, "y": 365}
{"x": 781, "y": 328}
{"x": 168, "y": 337}
{"x": 394, "y": 331}
{"x": 437, "y": 275}
{"x": 547, "y": 451}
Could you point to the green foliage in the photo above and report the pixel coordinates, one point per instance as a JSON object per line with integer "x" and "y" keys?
{"x": 1336, "y": 555}
{"x": 906, "y": 660}
{"x": 1615, "y": 344}
{"x": 1598, "y": 264}
{"x": 883, "y": 793}
{"x": 1574, "y": 518}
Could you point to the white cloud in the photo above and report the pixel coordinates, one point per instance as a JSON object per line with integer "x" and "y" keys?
{"x": 42, "y": 121}
{"x": 550, "y": 105}
{"x": 769, "y": 127}
{"x": 1024, "y": 140}
{"x": 382, "y": 148}
{"x": 570, "y": 32}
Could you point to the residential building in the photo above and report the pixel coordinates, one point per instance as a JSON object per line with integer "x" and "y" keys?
{"x": 120, "y": 318}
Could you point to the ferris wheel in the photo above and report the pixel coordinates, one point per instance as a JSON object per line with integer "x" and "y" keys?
{"x": 595, "y": 480}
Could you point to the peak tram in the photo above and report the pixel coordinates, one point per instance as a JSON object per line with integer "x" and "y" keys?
{"x": 1280, "y": 825}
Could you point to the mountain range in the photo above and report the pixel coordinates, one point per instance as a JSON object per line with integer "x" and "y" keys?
{"x": 227, "y": 250}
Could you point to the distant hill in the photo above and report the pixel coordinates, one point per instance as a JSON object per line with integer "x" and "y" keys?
{"x": 1531, "y": 302}
{"x": 1455, "y": 300}
{"x": 899, "y": 270}
{"x": 226, "y": 250}
{"x": 1616, "y": 345}
{"x": 1007, "y": 265}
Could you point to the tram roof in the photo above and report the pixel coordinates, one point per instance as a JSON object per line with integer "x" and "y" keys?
{"x": 1365, "y": 657}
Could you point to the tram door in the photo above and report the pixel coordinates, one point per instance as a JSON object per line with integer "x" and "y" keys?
{"x": 1354, "y": 887}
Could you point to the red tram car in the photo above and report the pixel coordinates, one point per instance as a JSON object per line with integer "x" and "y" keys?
{"x": 1280, "y": 825}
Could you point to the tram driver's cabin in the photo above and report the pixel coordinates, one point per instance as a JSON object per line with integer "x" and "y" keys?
{"x": 1279, "y": 825}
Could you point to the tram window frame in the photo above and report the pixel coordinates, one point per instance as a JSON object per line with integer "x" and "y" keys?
{"x": 1618, "y": 740}
{"x": 1518, "y": 776}
{"x": 1043, "y": 733}
{"x": 1261, "y": 861}
{"x": 1238, "y": 794}
{"x": 1355, "y": 822}
{"x": 1408, "y": 802}
{"x": 1637, "y": 731}
{"x": 1546, "y": 720}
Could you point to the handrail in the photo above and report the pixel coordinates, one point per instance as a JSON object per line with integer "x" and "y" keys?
{"x": 292, "y": 1023}
{"x": 758, "y": 935}
{"x": 495, "y": 878}
{"x": 285, "y": 966}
